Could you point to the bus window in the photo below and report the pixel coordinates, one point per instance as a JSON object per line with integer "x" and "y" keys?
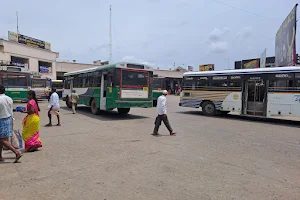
{"x": 134, "y": 78}
{"x": 188, "y": 83}
{"x": 157, "y": 83}
{"x": 15, "y": 81}
{"x": 38, "y": 83}
{"x": 281, "y": 82}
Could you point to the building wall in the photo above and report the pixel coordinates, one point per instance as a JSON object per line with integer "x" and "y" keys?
{"x": 34, "y": 55}
{"x": 71, "y": 66}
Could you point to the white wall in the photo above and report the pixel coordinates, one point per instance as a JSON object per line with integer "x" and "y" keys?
{"x": 34, "y": 55}
{"x": 70, "y": 67}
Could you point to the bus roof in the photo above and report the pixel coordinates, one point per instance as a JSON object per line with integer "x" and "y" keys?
{"x": 245, "y": 71}
{"x": 158, "y": 76}
{"x": 17, "y": 72}
{"x": 106, "y": 67}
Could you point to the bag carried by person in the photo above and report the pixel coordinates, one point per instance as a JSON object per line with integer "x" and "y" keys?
{"x": 15, "y": 140}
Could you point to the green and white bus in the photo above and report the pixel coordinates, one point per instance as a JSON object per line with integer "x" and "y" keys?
{"x": 121, "y": 85}
{"x": 158, "y": 86}
{"x": 16, "y": 83}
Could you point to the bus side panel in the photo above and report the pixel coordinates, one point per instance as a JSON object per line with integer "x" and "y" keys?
{"x": 283, "y": 104}
{"x": 193, "y": 99}
{"x": 233, "y": 102}
{"x": 89, "y": 93}
{"x": 17, "y": 94}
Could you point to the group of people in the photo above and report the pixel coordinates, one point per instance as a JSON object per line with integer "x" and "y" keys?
{"x": 31, "y": 122}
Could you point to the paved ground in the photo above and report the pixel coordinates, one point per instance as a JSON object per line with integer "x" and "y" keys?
{"x": 115, "y": 157}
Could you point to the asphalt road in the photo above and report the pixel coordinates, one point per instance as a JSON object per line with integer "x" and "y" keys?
{"x": 116, "y": 157}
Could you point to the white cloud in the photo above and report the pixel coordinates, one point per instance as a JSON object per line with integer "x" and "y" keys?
{"x": 217, "y": 34}
{"x": 216, "y": 41}
{"x": 218, "y": 47}
{"x": 245, "y": 33}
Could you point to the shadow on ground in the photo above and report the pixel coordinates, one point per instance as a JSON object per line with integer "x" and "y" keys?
{"x": 104, "y": 115}
{"x": 273, "y": 121}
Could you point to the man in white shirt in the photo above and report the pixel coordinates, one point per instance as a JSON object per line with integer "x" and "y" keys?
{"x": 162, "y": 114}
{"x": 6, "y": 123}
{"x": 54, "y": 107}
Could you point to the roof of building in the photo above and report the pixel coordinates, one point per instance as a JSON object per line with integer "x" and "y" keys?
{"x": 168, "y": 73}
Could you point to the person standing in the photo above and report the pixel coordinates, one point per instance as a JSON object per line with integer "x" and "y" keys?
{"x": 31, "y": 124}
{"x": 162, "y": 114}
{"x": 74, "y": 100}
{"x": 54, "y": 107}
{"x": 6, "y": 124}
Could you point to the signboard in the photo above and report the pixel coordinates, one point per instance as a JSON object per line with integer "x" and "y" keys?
{"x": 44, "y": 69}
{"x": 134, "y": 94}
{"x": 252, "y": 64}
{"x": 263, "y": 59}
{"x": 29, "y": 41}
{"x": 190, "y": 68}
{"x": 285, "y": 42}
{"x": 208, "y": 67}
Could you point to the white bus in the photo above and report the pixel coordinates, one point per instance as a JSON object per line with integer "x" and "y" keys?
{"x": 258, "y": 92}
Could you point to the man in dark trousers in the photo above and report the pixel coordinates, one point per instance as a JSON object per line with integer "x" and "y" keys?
{"x": 162, "y": 114}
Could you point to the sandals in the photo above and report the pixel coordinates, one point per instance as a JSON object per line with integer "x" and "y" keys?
{"x": 18, "y": 157}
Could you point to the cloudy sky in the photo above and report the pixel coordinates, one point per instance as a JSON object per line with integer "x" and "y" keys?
{"x": 157, "y": 32}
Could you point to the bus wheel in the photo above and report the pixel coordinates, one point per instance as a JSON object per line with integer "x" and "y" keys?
{"x": 208, "y": 108}
{"x": 123, "y": 111}
{"x": 224, "y": 112}
{"x": 68, "y": 103}
{"x": 94, "y": 108}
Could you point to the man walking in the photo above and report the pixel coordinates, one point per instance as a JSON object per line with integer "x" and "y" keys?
{"x": 74, "y": 99}
{"x": 54, "y": 107}
{"x": 162, "y": 114}
{"x": 6, "y": 123}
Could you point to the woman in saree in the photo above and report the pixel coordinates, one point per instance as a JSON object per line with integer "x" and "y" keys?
{"x": 31, "y": 124}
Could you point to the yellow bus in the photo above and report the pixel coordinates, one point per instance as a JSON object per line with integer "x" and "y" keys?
{"x": 58, "y": 85}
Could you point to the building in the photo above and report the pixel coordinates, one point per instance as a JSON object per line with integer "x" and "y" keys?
{"x": 270, "y": 62}
{"x": 171, "y": 78}
{"x": 64, "y": 67}
{"x": 38, "y": 61}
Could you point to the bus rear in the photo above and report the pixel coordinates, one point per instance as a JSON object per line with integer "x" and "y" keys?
{"x": 41, "y": 87}
{"x": 133, "y": 88}
{"x": 16, "y": 84}
{"x": 58, "y": 85}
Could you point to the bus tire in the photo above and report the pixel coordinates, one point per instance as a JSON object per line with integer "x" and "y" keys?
{"x": 224, "y": 112}
{"x": 94, "y": 109}
{"x": 123, "y": 111}
{"x": 208, "y": 108}
{"x": 68, "y": 103}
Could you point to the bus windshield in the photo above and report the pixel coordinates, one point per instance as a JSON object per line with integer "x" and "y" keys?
{"x": 135, "y": 78}
{"x": 15, "y": 81}
{"x": 38, "y": 83}
{"x": 157, "y": 83}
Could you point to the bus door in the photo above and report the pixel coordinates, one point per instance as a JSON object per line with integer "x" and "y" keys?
{"x": 71, "y": 84}
{"x": 255, "y": 95}
{"x": 103, "y": 91}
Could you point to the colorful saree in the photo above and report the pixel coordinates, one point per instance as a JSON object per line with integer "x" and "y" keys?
{"x": 31, "y": 128}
